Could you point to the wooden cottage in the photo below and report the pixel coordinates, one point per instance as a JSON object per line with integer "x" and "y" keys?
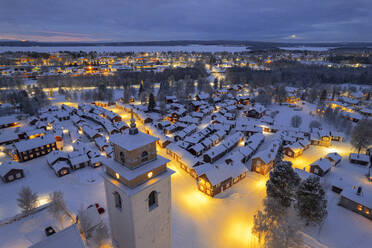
{"x": 321, "y": 167}
{"x": 29, "y": 149}
{"x": 357, "y": 200}
{"x": 61, "y": 168}
{"x": 11, "y": 171}
{"x": 334, "y": 157}
{"x": 295, "y": 150}
{"x": 357, "y": 158}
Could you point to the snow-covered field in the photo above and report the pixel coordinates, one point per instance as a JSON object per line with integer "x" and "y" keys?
{"x": 101, "y": 49}
{"x": 198, "y": 220}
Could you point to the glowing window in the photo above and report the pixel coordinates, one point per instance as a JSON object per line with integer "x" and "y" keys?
{"x": 117, "y": 175}
{"x": 360, "y": 207}
{"x": 149, "y": 175}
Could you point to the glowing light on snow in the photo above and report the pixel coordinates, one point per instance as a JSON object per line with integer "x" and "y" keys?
{"x": 239, "y": 232}
{"x": 42, "y": 200}
{"x": 261, "y": 184}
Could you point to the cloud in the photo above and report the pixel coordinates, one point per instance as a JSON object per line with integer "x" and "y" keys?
{"x": 125, "y": 20}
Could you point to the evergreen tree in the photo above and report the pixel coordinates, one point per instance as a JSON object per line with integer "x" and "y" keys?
{"x": 361, "y": 136}
{"x": 140, "y": 90}
{"x": 296, "y": 121}
{"x": 152, "y": 103}
{"x": 282, "y": 183}
{"x": 311, "y": 201}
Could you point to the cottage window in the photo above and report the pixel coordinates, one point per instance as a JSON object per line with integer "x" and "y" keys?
{"x": 117, "y": 199}
{"x": 18, "y": 175}
{"x": 366, "y": 211}
{"x": 144, "y": 156}
{"x": 153, "y": 200}
{"x": 10, "y": 178}
{"x": 25, "y": 157}
{"x": 316, "y": 171}
{"x": 360, "y": 207}
{"x": 122, "y": 157}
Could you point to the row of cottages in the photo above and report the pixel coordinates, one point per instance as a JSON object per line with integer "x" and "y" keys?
{"x": 189, "y": 120}
{"x": 264, "y": 161}
{"x": 320, "y": 138}
{"x": 32, "y": 148}
{"x": 63, "y": 163}
{"x": 11, "y": 171}
{"x": 224, "y": 147}
{"x": 257, "y": 111}
{"x": 214, "y": 179}
{"x": 9, "y": 121}
{"x": 178, "y": 126}
{"x": 361, "y": 159}
{"x": 246, "y": 152}
{"x": 243, "y": 99}
{"x": 367, "y": 112}
{"x": 357, "y": 200}
{"x": 296, "y": 149}
{"x": 185, "y": 132}
{"x": 205, "y": 141}
{"x": 323, "y": 165}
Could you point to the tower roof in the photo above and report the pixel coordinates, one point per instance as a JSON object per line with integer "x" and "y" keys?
{"x": 131, "y": 142}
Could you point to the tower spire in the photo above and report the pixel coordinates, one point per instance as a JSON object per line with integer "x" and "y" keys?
{"x": 133, "y": 129}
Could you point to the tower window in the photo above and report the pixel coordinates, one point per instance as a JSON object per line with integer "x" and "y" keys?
{"x": 153, "y": 200}
{"x": 144, "y": 156}
{"x": 122, "y": 157}
{"x": 117, "y": 199}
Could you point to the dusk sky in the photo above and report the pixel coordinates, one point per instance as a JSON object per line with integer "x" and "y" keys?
{"x": 147, "y": 20}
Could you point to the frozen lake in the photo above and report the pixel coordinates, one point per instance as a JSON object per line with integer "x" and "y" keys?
{"x": 303, "y": 48}
{"x": 191, "y": 48}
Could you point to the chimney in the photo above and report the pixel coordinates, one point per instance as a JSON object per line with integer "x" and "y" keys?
{"x": 359, "y": 190}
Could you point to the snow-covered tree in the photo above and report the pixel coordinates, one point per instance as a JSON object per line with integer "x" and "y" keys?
{"x": 57, "y": 207}
{"x": 282, "y": 183}
{"x": 27, "y": 200}
{"x": 100, "y": 235}
{"x": 296, "y": 121}
{"x": 311, "y": 201}
{"x": 361, "y": 135}
{"x": 152, "y": 103}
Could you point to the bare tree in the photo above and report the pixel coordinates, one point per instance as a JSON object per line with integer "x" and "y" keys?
{"x": 27, "y": 200}
{"x": 361, "y": 135}
{"x": 296, "y": 121}
{"x": 100, "y": 235}
{"x": 57, "y": 206}
{"x": 85, "y": 222}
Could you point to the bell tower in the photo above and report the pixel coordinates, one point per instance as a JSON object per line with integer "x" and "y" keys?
{"x": 138, "y": 191}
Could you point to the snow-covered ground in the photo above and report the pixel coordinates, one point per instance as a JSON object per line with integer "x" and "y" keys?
{"x": 199, "y": 220}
